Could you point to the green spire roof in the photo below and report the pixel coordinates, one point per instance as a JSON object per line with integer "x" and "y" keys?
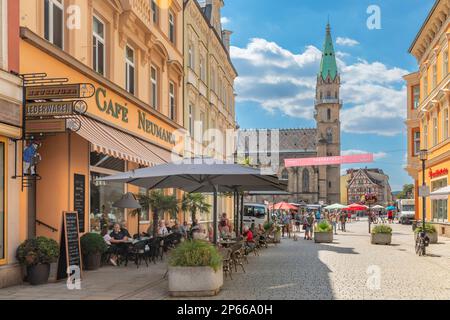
{"x": 328, "y": 66}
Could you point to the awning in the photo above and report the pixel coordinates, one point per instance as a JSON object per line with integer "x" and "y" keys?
{"x": 441, "y": 194}
{"x": 115, "y": 143}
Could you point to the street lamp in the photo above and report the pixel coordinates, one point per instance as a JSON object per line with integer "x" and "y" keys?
{"x": 423, "y": 156}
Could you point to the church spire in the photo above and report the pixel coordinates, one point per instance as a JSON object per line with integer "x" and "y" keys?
{"x": 328, "y": 66}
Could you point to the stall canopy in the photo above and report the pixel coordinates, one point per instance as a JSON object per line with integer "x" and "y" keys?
{"x": 441, "y": 194}
{"x": 357, "y": 207}
{"x": 283, "y": 206}
{"x": 335, "y": 206}
{"x": 115, "y": 143}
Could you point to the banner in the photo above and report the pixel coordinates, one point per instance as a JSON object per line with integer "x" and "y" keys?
{"x": 326, "y": 161}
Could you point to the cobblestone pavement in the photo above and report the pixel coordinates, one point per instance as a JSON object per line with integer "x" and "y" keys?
{"x": 346, "y": 269}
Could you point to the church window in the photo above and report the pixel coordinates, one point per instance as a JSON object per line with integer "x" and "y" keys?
{"x": 328, "y": 94}
{"x": 285, "y": 175}
{"x": 329, "y": 135}
{"x": 305, "y": 182}
{"x": 329, "y": 114}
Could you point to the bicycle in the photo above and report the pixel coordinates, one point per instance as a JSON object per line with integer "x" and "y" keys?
{"x": 422, "y": 241}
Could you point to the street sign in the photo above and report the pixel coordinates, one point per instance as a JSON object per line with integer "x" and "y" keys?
{"x": 52, "y": 109}
{"x": 46, "y": 126}
{"x": 424, "y": 191}
{"x": 65, "y": 91}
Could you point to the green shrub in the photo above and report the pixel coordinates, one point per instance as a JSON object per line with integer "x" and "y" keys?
{"x": 93, "y": 243}
{"x": 196, "y": 254}
{"x": 324, "y": 226}
{"x": 38, "y": 251}
{"x": 429, "y": 228}
{"x": 268, "y": 225}
{"x": 382, "y": 229}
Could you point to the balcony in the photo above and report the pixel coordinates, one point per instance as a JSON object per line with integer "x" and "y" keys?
{"x": 329, "y": 101}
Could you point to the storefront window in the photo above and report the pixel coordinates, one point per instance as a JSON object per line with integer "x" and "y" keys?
{"x": 145, "y": 215}
{"x": 439, "y": 207}
{"x": 2, "y": 201}
{"x": 103, "y": 195}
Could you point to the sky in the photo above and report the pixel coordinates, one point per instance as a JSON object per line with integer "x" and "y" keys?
{"x": 276, "y": 49}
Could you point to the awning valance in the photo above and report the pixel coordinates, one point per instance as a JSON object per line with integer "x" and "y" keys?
{"x": 441, "y": 194}
{"x": 110, "y": 141}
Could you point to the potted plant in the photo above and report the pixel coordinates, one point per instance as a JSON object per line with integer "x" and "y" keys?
{"x": 37, "y": 255}
{"x": 430, "y": 230}
{"x": 92, "y": 247}
{"x": 381, "y": 234}
{"x": 195, "y": 270}
{"x": 323, "y": 232}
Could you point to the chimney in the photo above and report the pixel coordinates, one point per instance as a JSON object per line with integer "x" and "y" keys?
{"x": 226, "y": 38}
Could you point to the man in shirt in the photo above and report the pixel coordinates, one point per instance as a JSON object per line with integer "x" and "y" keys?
{"x": 119, "y": 238}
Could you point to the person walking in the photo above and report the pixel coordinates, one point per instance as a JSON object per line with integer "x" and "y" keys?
{"x": 334, "y": 221}
{"x": 343, "y": 218}
{"x": 309, "y": 225}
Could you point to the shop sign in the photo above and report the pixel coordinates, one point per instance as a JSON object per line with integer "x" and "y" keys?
{"x": 46, "y": 126}
{"x": 70, "y": 248}
{"x": 438, "y": 173}
{"x": 66, "y": 91}
{"x": 121, "y": 112}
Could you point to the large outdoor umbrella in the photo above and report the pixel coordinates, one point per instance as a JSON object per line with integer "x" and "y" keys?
{"x": 200, "y": 175}
{"x": 357, "y": 207}
{"x": 378, "y": 207}
{"x": 284, "y": 206}
{"x": 391, "y": 208}
{"x": 335, "y": 206}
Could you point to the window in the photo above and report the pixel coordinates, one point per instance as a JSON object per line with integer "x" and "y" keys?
{"x": 154, "y": 87}
{"x": 191, "y": 62}
{"x": 213, "y": 79}
{"x": 172, "y": 101}
{"x": 172, "y": 27}
{"x": 435, "y": 131}
{"x": 2, "y": 202}
{"x": 434, "y": 76}
{"x": 329, "y": 114}
{"x": 330, "y": 135}
{"x": 145, "y": 213}
{"x": 416, "y": 97}
{"x": 202, "y": 69}
{"x": 445, "y": 64}
{"x": 155, "y": 12}
{"x": 54, "y": 22}
{"x": 98, "y": 43}
{"x": 445, "y": 124}
{"x": 425, "y": 85}
{"x": 202, "y": 121}
{"x": 416, "y": 143}
{"x": 191, "y": 121}
{"x": 285, "y": 175}
{"x": 129, "y": 70}
{"x": 305, "y": 180}
{"x": 425, "y": 134}
{"x": 439, "y": 207}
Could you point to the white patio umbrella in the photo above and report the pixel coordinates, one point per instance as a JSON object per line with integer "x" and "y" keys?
{"x": 377, "y": 207}
{"x": 336, "y": 206}
{"x": 202, "y": 176}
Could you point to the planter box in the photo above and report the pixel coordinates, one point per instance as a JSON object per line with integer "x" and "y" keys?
{"x": 195, "y": 281}
{"x": 323, "y": 237}
{"x": 277, "y": 237}
{"x": 381, "y": 238}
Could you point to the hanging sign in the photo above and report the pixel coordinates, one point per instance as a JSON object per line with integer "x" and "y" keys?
{"x": 46, "y": 126}
{"x": 66, "y": 91}
{"x": 53, "y": 109}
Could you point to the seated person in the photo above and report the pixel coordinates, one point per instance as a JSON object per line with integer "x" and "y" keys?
{"x": 169, "y": 229}
{"x": 248, "y": 237}
{"x": 119, "y": 239}
{"x": 162, "y": 230}
{"x": 106, "y": 236}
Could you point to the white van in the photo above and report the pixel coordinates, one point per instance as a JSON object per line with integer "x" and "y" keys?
{"x": 255, "y": 213}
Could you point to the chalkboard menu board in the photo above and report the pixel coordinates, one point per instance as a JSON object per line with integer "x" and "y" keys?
{"x": 70, "y": 252}
{"x": 79, "y": 199}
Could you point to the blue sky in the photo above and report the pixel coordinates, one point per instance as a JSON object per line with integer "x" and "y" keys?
{"x": 276, "y": 50}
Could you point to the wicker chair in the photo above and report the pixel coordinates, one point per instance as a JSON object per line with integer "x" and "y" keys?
{"x": 227, "y": 263}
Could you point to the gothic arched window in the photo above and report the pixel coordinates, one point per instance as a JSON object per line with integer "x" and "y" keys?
{"x": 305, "y": 180}
{"x": 328, "y": 94}
{"x": 329, "y": 135}
{"x": 285, "y": 175}
{"x": 329, "y": 114}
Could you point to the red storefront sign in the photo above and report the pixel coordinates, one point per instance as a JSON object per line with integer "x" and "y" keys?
{"x": 438, "y": 173}
{"x": 326, "y": 161}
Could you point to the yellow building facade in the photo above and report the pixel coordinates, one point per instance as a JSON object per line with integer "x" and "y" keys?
{"x": 428, "y": 112}
{"x": 131, "y": 51}
{"x": 209, "y": 97}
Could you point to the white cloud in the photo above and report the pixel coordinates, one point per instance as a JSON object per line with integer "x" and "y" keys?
{"x": 346, "y": 42}
{"x": 278, "y": 79}
{"x": 225, "y": 20}
{"x": 376, "y": 155}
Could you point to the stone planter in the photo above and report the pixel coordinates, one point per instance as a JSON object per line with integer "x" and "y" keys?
{"x": 381, "y": 238}
{"x": 323, "y": 237}
{"x": 92, "y": 261}
{"x": 277, "y": 237}
{"x": 38, "y": 274}
{"x": 195, "y": 281}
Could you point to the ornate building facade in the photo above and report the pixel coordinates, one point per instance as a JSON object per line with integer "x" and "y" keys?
{"x": 363, "y": 181}
{"x": 317, "y": 184}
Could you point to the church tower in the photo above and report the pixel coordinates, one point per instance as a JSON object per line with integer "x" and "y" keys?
{"x": 327, "y": 114}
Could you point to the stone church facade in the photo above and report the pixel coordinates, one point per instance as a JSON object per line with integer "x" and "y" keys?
{"x": 311, "y": 185}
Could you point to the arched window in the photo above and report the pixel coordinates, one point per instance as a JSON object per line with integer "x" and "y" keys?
{"x": 285, "y": 175}
{"x": 321, "y": 95}
{"x": 329, "y": 135}
{"x": 329, "y": 114}
{"x": 328, "y": 94}
{"x": 305, "y": 180}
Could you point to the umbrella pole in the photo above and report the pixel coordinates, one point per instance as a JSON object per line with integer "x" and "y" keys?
{"x": 215, "y": 215}
{"x": 236, "y": 212}
{"x": 242, "y": 213}
{"x": 139, "y": 223}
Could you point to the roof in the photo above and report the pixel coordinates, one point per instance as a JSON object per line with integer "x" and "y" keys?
{"x": 328, "y": 65}
{"x": 291, "y": 140}
{"x": 430, "y": 14}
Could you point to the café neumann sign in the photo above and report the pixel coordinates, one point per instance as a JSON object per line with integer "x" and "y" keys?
{"x": 121, "y": 112}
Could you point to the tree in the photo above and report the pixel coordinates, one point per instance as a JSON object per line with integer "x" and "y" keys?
{"x": 157, "y": 202}
{"x": 193, "y": 203}
{"x": 407, "y": 192}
